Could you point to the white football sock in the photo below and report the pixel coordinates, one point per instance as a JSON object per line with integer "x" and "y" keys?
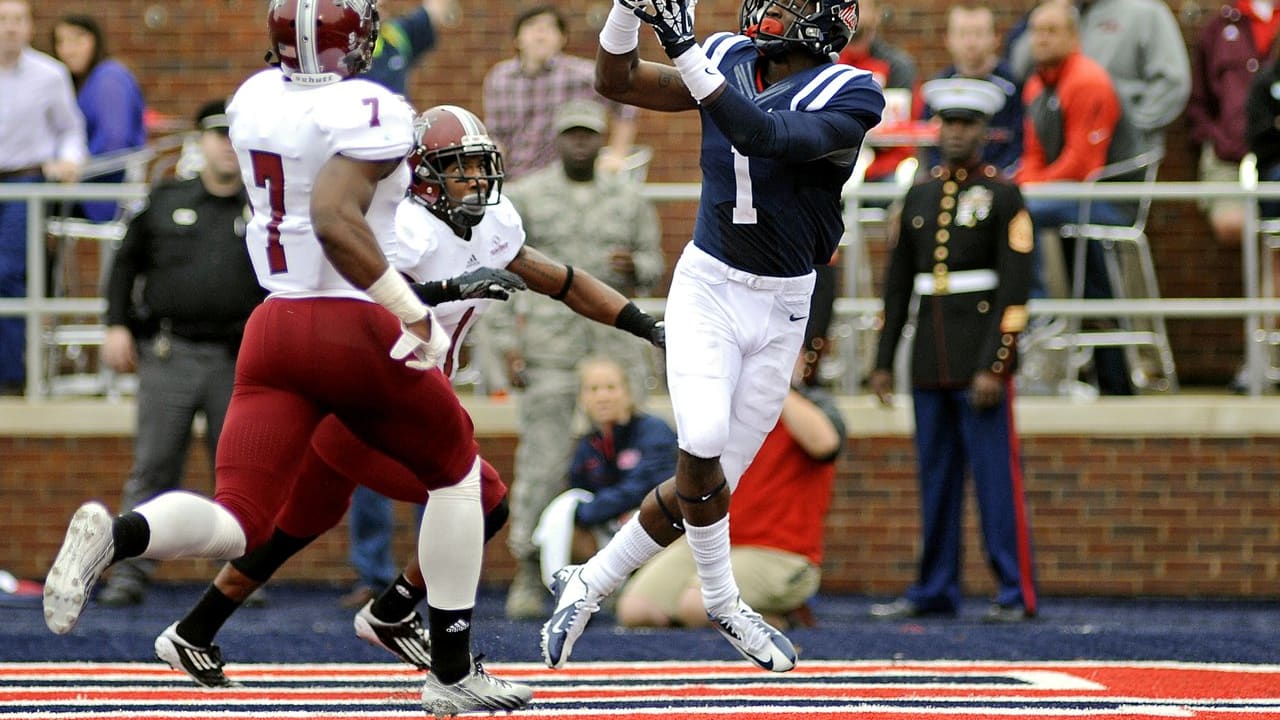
{"x": 710, "y": 546}
{"x": 630, "y": 548}
{"x": 451, "y": 543}
{"x": 186, "y": 525}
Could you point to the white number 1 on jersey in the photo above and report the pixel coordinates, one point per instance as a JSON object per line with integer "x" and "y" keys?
{"x": 743, "y": 212}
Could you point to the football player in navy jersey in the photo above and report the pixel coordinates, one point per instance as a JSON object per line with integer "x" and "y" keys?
{"x": 781, "y": 128}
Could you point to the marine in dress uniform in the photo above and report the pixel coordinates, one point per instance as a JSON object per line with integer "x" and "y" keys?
{"x": 964, "y": 249}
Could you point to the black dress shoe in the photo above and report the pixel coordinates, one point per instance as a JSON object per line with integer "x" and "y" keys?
{"x": 1006, "y": 614}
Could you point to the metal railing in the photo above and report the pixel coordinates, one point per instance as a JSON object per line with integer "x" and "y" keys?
{"x": 1253, "y": 308}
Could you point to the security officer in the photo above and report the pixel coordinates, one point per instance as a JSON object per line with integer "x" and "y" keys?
{"x": 187, "y": 251}
{"x": 963, "y": 247}
{"x": 601, "y": 224}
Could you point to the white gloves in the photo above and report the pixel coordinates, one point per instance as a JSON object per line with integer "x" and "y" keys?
{"x": 422, "y": 354}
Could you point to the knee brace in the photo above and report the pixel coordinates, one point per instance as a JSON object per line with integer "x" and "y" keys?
{"x": 677, "y": 522}
{"x": 703, "y": 498}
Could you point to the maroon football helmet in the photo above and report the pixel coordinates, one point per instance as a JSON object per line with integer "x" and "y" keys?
{"x": 322, "y": 41}
{"x": 445, "y": 136}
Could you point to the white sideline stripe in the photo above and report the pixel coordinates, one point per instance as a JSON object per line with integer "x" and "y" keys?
{"x": 680, "y": 670}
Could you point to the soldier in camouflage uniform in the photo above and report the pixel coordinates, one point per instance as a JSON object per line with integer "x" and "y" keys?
{"x": 600, "y": 224}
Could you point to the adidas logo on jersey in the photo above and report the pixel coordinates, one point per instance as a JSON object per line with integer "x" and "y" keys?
{"x": 458, "y": 626}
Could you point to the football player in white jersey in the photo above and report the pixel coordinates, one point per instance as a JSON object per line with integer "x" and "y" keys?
{"x": 462, "y": 242}
{"x": 323, "y": 153}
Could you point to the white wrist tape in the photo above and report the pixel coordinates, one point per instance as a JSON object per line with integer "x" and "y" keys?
{"x": 393, "y": 293}
{"x": 621, "y": 32}
{"x": 699, "y": 75}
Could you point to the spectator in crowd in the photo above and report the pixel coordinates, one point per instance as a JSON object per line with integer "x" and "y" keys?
{"x": 1228, "y": 53}
{"x": 1139, "y": 45}
{"x": 1073, "y": 126}
{"x": 972, "y": 46}
{"x": 187, "y": 252}
{"x": 626, "y": 454}
{"x": 109, "y": 99}
{"x": 779, "y": 512}
{"x": 570, "y": 211}
{"x": 895, "y": 71}
{"x": 403, "y": 42}
{"x": 322, "y": 152}
{"x": 522, "y": 95}
{"x": 964, "y": 248}
{"x": 41, "y": 140}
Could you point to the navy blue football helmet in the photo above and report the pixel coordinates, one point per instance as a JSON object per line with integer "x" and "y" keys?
{"x": 821, "y": 27}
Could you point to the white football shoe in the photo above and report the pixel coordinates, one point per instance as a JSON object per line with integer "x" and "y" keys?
{"x": 477, "y": 692}
{"x": 757, "y": 640}
{"x": 86, "y": 551}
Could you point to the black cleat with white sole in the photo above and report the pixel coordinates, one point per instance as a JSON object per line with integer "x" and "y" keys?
{"x": 201, "y": 664}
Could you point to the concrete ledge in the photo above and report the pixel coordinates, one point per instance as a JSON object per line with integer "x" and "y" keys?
{"x": 1181, "y": 415}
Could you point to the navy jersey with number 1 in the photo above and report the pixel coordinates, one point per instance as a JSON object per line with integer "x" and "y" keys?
{"x": 774, "y": 160}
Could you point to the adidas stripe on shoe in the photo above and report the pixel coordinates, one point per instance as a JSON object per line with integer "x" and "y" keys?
{"x": 406, "y": 639}
{"x": 201, "y": 664}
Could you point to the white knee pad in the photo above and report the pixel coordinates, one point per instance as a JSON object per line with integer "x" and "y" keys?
{"x": 185, "y": 525}
{"x": 451, "y": 543}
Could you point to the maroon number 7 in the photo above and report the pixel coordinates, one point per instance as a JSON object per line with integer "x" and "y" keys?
{"x": 268, "y": 172}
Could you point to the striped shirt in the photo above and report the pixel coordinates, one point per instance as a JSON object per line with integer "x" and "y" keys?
{"x": 519, "y": 109}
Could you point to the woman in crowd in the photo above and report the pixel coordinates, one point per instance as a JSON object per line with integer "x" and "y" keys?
{"x": 108, "y": 95}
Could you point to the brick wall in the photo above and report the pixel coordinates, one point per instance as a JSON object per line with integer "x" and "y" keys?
{"x": 1175, "y": 516}
{"x": 185, "y": 51}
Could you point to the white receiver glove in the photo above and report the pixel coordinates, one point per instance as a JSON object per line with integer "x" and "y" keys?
{"x": 422, "y": 354}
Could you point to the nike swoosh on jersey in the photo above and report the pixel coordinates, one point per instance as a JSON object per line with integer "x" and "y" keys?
{"x": 794, "y": 318}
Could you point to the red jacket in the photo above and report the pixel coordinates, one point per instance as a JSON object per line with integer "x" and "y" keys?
{"x": 1086, "y": 122}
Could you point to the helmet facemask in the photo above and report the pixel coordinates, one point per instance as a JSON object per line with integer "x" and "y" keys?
{"x": 819, "y": 27}
{"x": 434, "y": 170}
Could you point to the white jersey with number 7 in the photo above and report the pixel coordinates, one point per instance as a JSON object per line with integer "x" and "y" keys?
{"x": 283, "y": 132}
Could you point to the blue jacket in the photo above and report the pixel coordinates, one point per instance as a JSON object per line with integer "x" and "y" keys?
{"x": 621, "y": 468}
{"x": 112, "y": 105}
{"x": 402, "y": 41}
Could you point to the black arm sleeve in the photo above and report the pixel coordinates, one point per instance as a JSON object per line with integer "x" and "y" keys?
{"x": 435, "y": 292}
